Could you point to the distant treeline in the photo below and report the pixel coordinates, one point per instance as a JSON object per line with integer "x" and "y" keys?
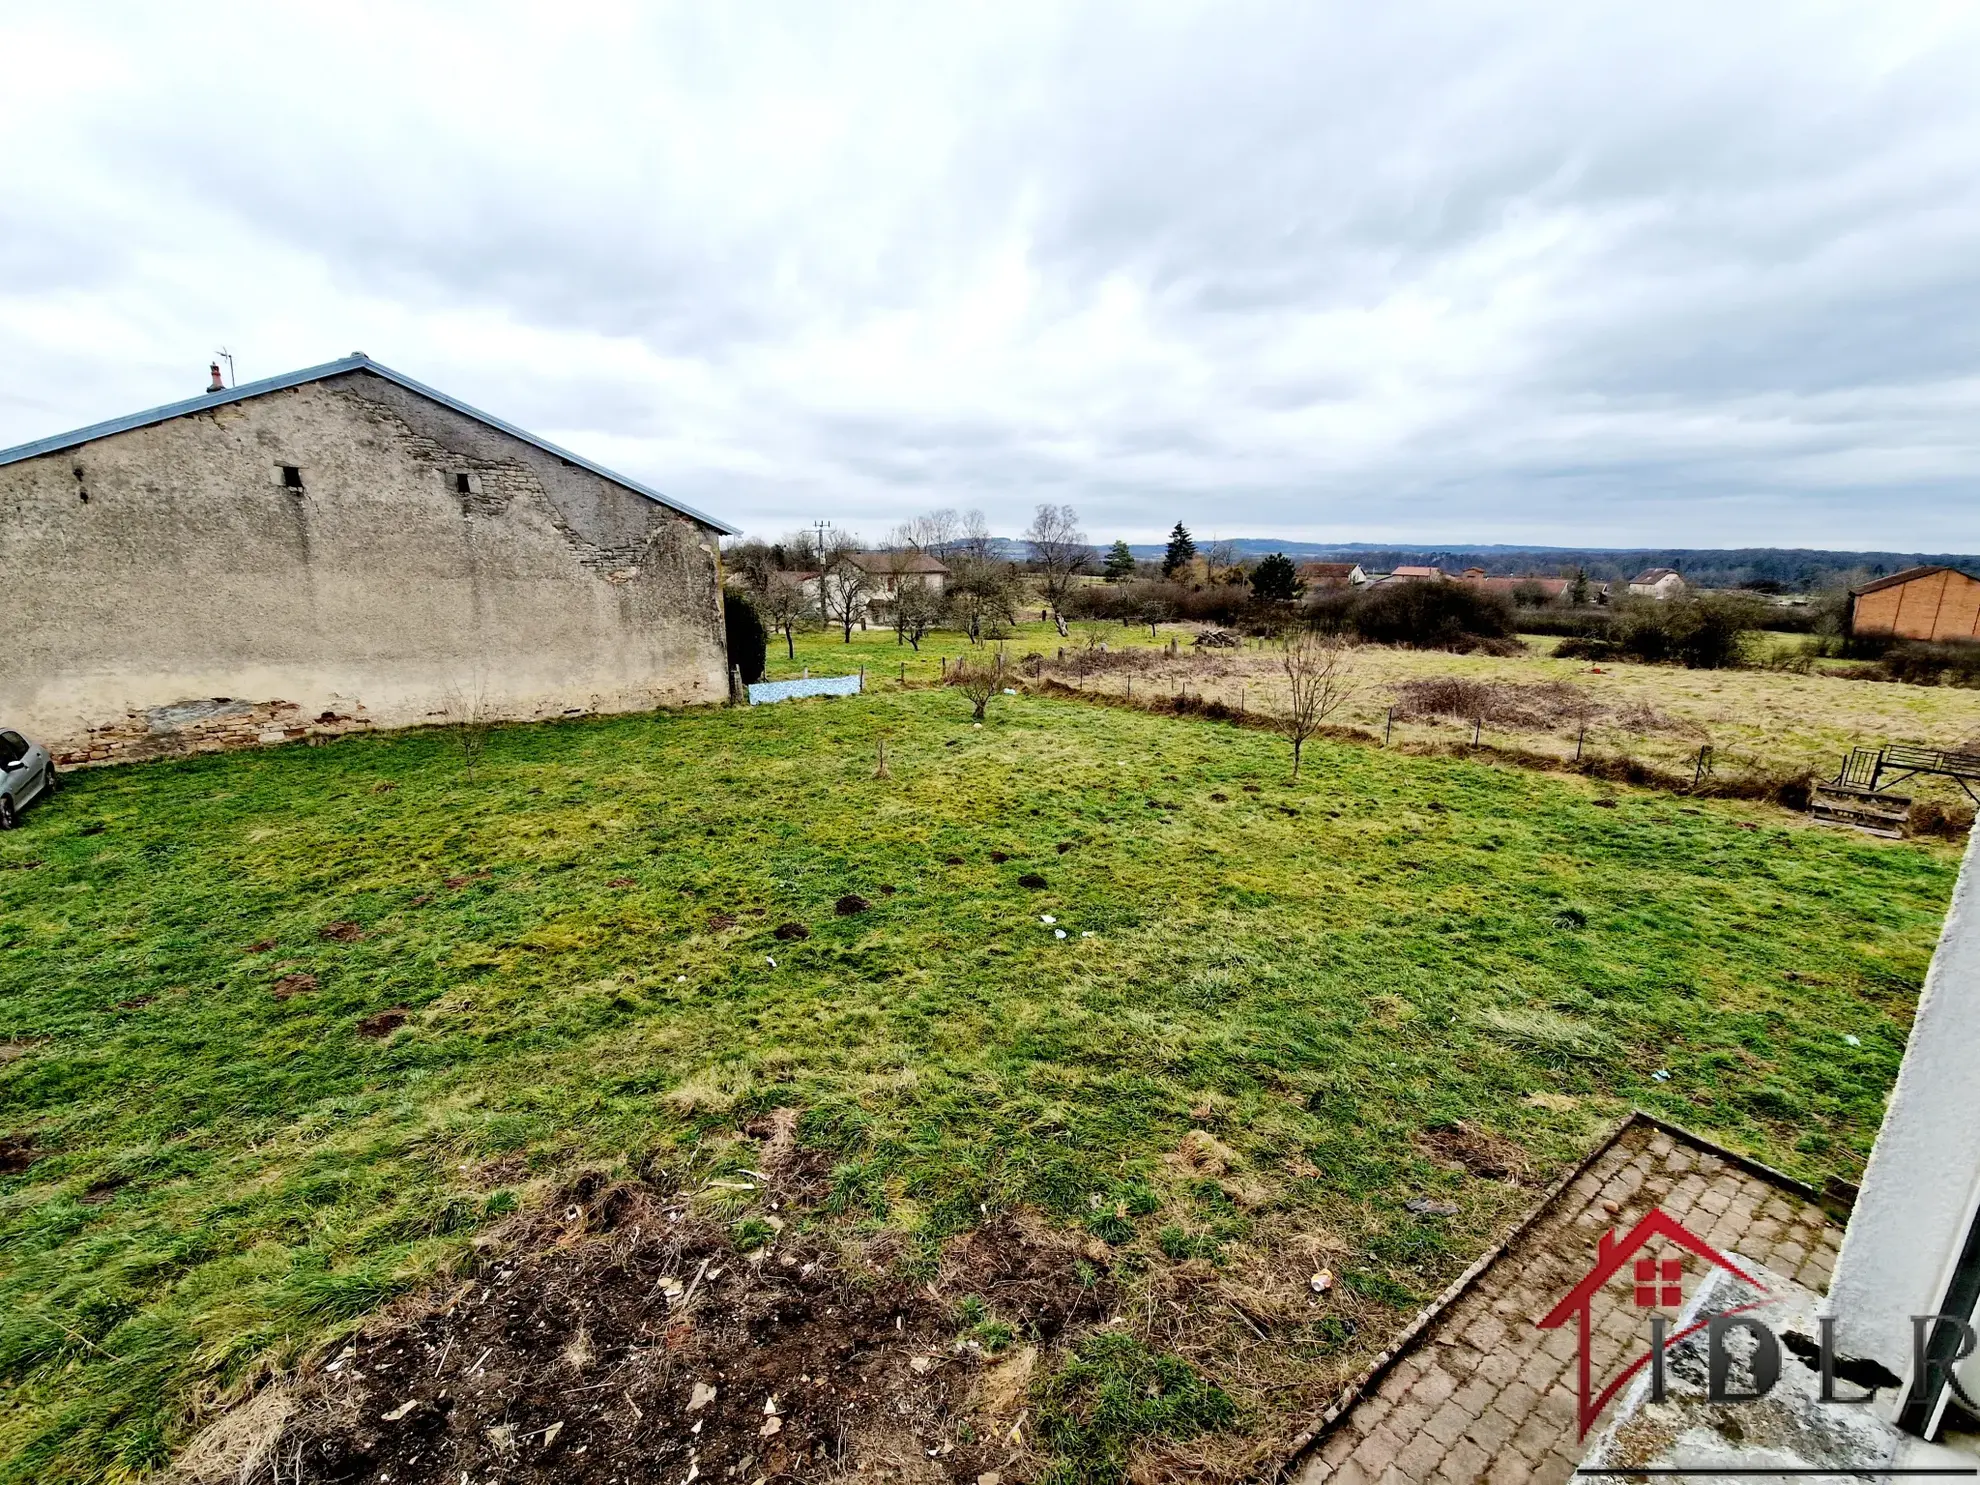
{"x": 1769, "y": 569}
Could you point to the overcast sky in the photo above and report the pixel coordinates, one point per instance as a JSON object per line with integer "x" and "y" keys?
{"x": 1570, "y": 274}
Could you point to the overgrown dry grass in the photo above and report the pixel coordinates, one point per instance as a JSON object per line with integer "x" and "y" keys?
{"x": 1762, "y": 724}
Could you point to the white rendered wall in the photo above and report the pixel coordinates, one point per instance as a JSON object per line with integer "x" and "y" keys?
{"x": 1923, "y": 1181}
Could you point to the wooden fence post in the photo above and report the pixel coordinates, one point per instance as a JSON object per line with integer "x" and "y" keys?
{"x": 1388, "y": 726}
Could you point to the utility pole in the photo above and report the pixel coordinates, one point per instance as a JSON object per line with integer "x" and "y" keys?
{"x": 821, "y": 527}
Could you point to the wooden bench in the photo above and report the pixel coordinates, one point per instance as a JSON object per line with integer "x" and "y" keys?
{"x": 1853, "y": 798}
{"x": 1905, "y": 761}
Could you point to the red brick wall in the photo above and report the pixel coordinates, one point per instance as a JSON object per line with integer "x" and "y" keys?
{"x": 1939, "y": 605}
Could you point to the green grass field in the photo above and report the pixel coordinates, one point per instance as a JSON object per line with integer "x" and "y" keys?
{"x": 208, "y": 1180}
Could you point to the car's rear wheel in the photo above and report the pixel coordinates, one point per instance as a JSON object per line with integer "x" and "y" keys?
{"x": 7, "y": 819}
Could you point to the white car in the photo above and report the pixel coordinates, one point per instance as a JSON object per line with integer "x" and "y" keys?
{"x": 26, "y": 772}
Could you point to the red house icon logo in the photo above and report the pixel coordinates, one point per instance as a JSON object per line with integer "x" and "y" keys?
{"x": 1657, "y": 1282}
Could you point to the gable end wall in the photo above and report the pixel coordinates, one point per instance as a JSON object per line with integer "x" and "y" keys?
{"x": 377, "y": 595}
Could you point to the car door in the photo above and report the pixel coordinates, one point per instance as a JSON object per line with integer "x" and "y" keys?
{"x": 21, "y": 780}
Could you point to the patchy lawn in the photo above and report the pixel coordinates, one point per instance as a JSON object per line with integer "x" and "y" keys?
{"x": 284, "y": 1031}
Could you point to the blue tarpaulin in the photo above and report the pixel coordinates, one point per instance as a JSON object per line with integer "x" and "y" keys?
{"x": 762, "y": 692}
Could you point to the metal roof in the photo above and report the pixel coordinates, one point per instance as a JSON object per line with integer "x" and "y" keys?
{"x": 355, "y": 362}
{"x": 1909, "y": 575}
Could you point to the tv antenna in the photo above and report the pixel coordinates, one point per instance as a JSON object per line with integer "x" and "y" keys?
{"x": 228, "y": 356}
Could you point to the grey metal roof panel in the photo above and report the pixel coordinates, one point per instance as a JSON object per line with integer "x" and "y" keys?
{"x": 288, "y": 379}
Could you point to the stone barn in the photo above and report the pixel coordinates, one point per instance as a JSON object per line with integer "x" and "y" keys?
{"x": 1918, "y": 603}
{"x": 335, "y": 549}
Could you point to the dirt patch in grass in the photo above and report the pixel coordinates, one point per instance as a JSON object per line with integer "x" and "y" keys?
{"x": 385, "y": 1022}
{"x": 790, "y": 931}
{"x": 340, "y": 933}
{"x": 17, "y": 1153}
{"x": 618, "y": 1337}
{"x": 292, "y": 985}
{"x": 1477, "y": 1151}
{"x": 850, "y": 904}
{"x": 717, "y": 922}
{"x": 259, "y": 946}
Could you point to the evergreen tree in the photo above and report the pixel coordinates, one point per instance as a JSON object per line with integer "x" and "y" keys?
{"x": 1275, "y": 580}
{"x": 1120, "y": 563}
{"x": 1182, "y": 551}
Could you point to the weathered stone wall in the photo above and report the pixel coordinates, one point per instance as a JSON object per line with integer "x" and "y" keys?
{"x": 165, "y": 590}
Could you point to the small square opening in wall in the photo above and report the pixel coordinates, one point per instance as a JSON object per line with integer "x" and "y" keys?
{"x": 463, "y": 484}
{"x": 292, "y": 477}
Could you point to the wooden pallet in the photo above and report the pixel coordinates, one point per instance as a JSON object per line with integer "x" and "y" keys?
{"x": 1861, "y": 808}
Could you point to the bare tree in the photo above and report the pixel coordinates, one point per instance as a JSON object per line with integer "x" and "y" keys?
{"x": 469, "y": 715}
{"x": 982, "y": 596}
{"x": 916, "y": 609}
{"x": 1059, "y": 551}
{"x": 844, "y": 586}
{"x": 979, "y": 681}
{"x": 801, "y": 552}
{"x": 1321, "y": 674}
{"x": 973, "y": 541}
{"x": 752, "y": 559}
{"x": 788, "y": 602}
{"x": 935, "y": 533}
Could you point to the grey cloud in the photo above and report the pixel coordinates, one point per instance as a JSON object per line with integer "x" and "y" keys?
{"x": 1445, "y": 272}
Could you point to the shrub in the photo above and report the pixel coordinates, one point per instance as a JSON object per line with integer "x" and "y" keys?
{"x": 1433, "y": 616}
{"x": 1587, "y": 649}
{"x": 748, "y": 641}
{"x": 1706, "y": 631}
{"x": 1919, "y": 663}
{"x": 1580, "y": 623}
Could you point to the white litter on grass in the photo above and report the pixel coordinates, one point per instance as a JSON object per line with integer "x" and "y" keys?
{"x": 1010, "y": 690}
{"x": 769, "y": 961}
{"x": 680, "y": 979}
{"x": 1088, "y": 933}
{"x": 1047, "y": 919}
{"x": 1058, "y": 933}
{"x": 1854, "y": 1041}
{"x": 1661, "y": 1075}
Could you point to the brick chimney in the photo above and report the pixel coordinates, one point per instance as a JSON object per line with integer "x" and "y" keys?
{"x": 217, "y": 385}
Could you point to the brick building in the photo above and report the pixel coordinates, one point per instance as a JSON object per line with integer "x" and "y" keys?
{"x": 1918, "y": 603}
{"x": 337, "y": 548}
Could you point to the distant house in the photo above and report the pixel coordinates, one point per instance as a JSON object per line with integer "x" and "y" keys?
{"x": 891, "y": 571}
{"x": 1332, "y": 574}
{"x": 1419, "y": 574}
{"x": 1656, "y": 582}
{"x": 1919, "y": 603}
